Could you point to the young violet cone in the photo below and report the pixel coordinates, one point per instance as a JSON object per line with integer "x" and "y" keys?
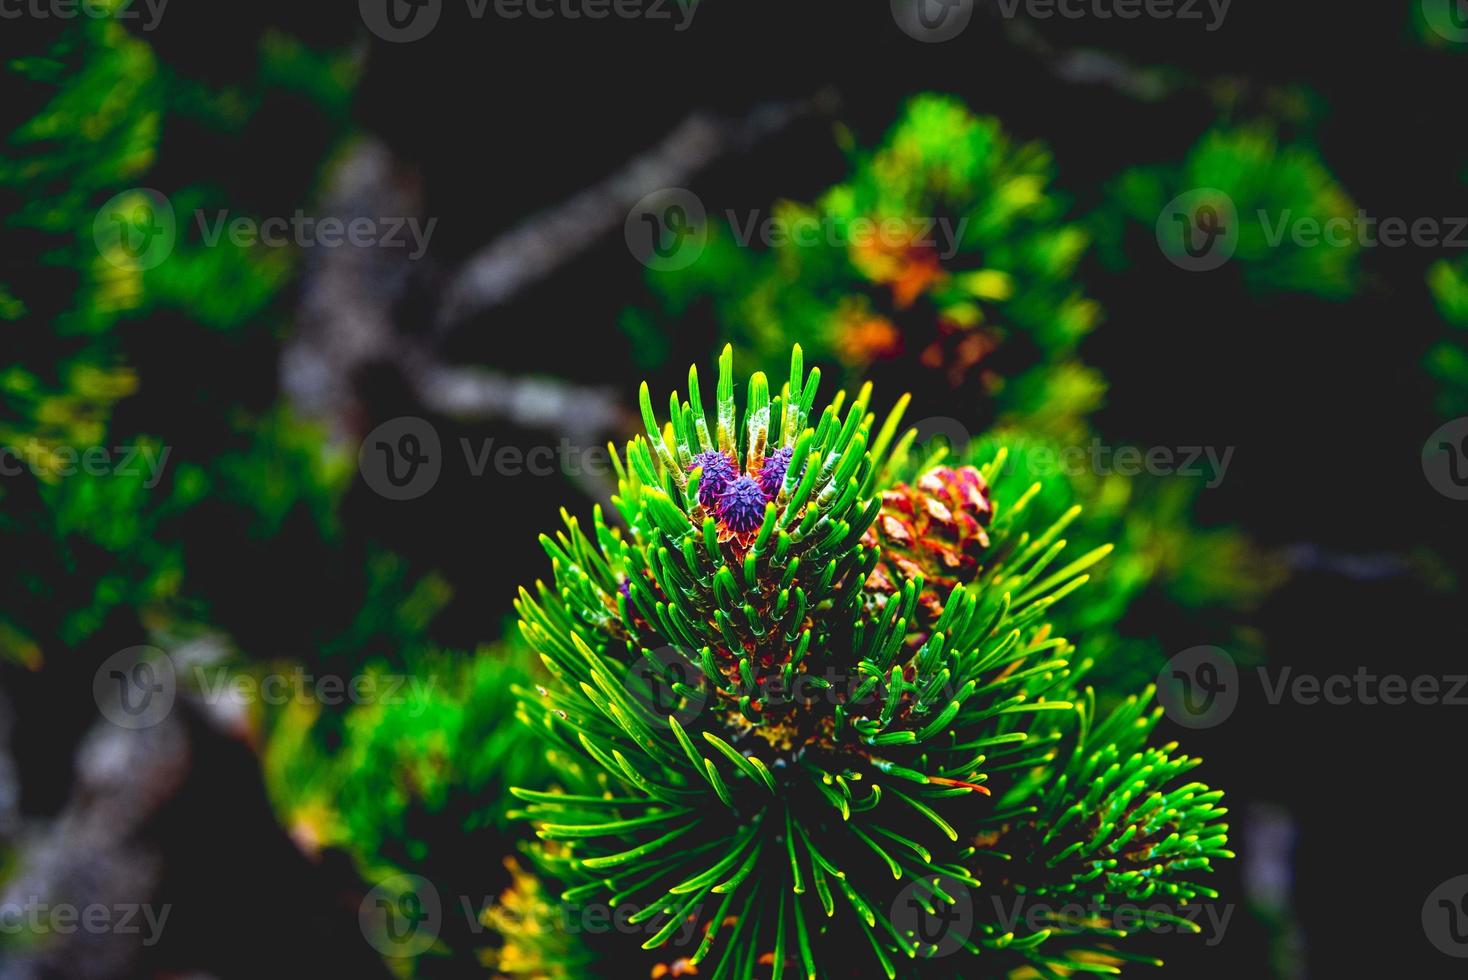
{"x": 742, "y": 505}
{"x": 718, "y": 473}
{"x": 772, "y": 473}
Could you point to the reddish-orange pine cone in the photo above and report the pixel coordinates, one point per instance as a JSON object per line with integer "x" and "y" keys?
{"x": 936, "y": 529}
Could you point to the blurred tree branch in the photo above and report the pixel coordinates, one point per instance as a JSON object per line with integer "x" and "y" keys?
{"x": 347, "y": 315}
{"x": 548, "y": 241}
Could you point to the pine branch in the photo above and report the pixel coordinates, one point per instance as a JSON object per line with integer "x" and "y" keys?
{"x": 780, "y": 710}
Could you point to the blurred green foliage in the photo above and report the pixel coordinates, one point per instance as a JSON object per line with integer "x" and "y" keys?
{"x": 414, "y": 769}
{"x": 1447, "y": 361}
{"x": 1160, "y": 554}
{"x": 947, "y": 250}
{"x": 1273, "y": 186}
{"x": 109, "y": 352}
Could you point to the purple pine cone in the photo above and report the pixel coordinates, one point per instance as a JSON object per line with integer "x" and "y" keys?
{"x": 742, "y": 505}
{"x": 772, "y": 474}
{"x": 718, "y": 473}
